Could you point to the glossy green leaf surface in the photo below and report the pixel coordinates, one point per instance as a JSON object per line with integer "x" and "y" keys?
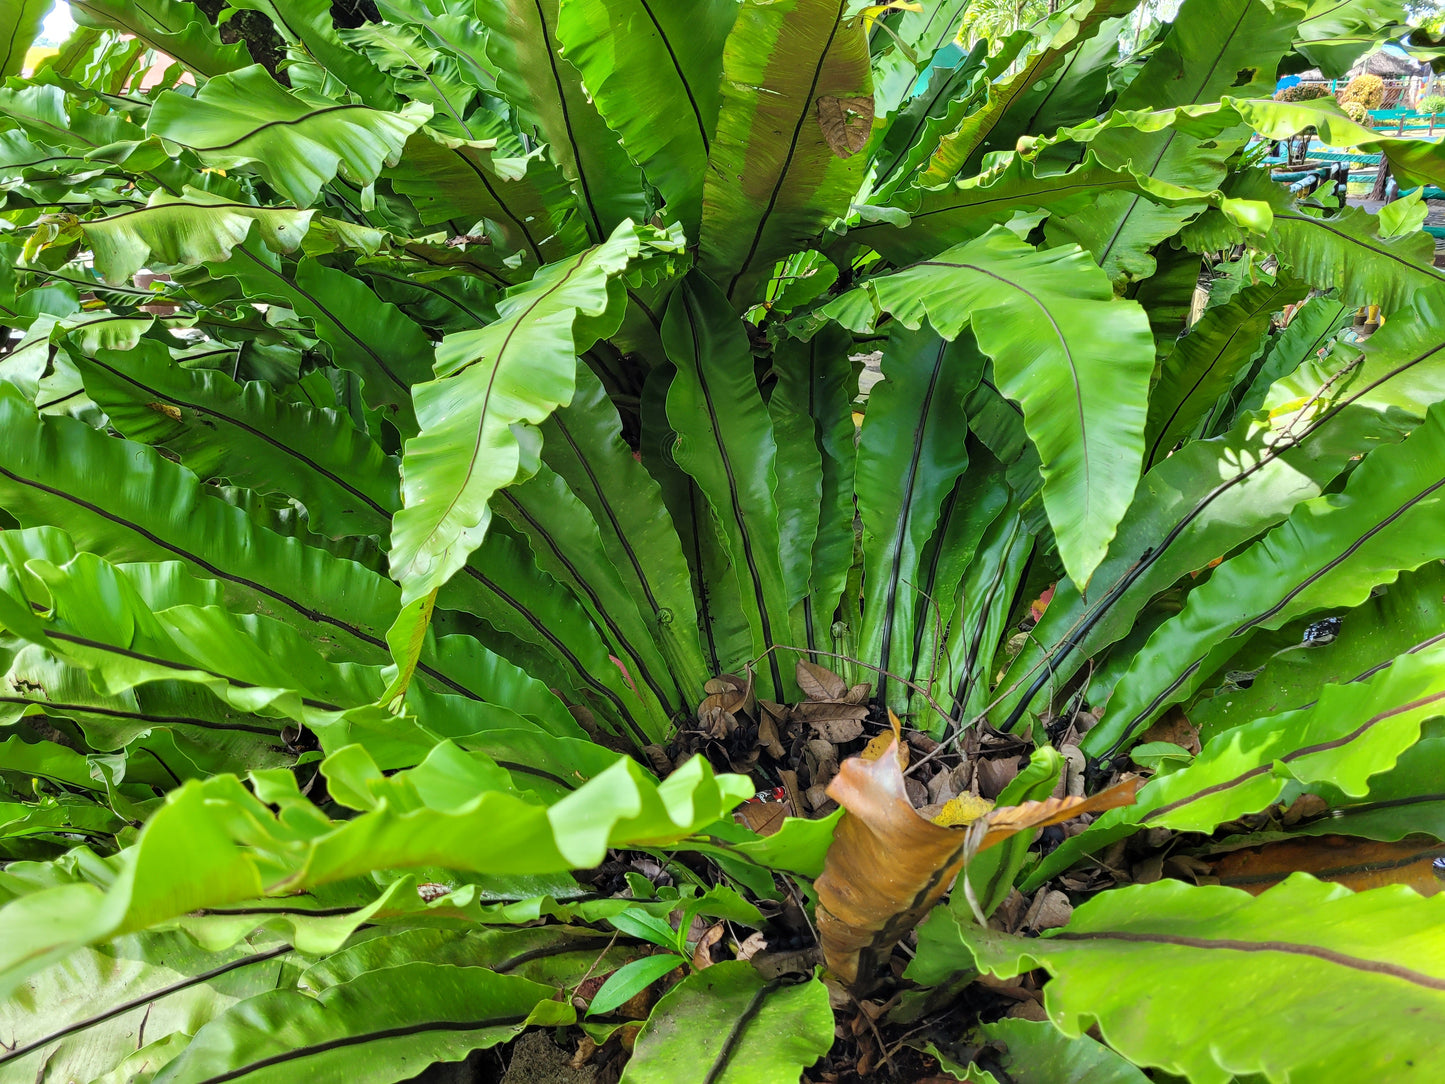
{"x": 636, "y": 54}
{"x": 773, "y": 179}
{"x": 1082, "y": 383}
{"x": 1353, "y": 731}
{"x": 524, "y": 46}
{"x": 1318, "y": 943}
{"x": 1212, "y": 49}
{"x": 486, "y": 382}
{"x": 410, "y": 410}
{"x": 725, "y": 442}
{"x": 728, "y": 1023}
{"x": 1356, "y": 539}
{"x": 1036, "y": 1052}
{"x": 363, "y": 1029}
{"x": 232, "y": 860}
{"x": 909, "y": 458}
{"x": 19, "y": 26}
{"x": 245, "y": 118}
{"x": 249, "y": 435}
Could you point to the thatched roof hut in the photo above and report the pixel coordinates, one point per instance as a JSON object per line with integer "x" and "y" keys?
{"x": 1389, "y": 62}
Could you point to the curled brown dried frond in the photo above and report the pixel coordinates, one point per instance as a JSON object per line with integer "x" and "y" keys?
{"x": 888, "y": 865}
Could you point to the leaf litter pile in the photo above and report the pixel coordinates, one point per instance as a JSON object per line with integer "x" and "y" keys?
{"x": 907, "y": 814}
{"x": 913, "y": 813}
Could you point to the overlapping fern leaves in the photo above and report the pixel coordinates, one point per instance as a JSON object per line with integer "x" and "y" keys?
{"x": 500, "y": 390}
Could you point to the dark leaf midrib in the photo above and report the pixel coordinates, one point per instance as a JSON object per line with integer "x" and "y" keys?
{"x": 602, "y": 611}
{"x": 345, "y": 1041}
{"x": 1266, "y": 304}
{"x": 734, "y": 1036}
{"x": 551, "y": 52}
{"x": 1349, "y": 551}
{"x": 139, "y": 716}
{"x": 1295, "y": 754}
{"x": 1356, "y": 963}
{"x": 168, "y": 664}
{"x": 585, "y": 463}
{"x": 788, "y": 158}
{"x": 1151, "y": 554}
{"x": 578, "y": 670}
{"x": 211, "y": 570}
{"x": 139, "y": 1002}
{"x": 905, "y": 510}
{"x": 681, "y": 78}
{"x": 246, "y": 427}
{"x": 760, "y": 597}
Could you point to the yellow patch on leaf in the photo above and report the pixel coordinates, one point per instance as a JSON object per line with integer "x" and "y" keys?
{"x": 962, "y": 809}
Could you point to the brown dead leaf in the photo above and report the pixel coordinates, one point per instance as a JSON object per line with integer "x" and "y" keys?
{"x": 995, "y": 773}
{"x": 716, "y": 722}
{"x": 702, "y": 954}
{"x": 790, "y": 787}
{"x": 1013, "y": 819}
{"x": 838, "y": 728}
{"x": 1010, "y": 913}
{"x": 772, "y": 965}
{"x": 768, "y": 737}
{"x": 1183, "y": 867}
{"x": 881, "y": 743}
{"x": 839, "y": 731}
{"x": 586, "y": 1047}
{"x": 660, "y": 761}
{"x": 857, "y": 694}
{"x": 728, "y": 693}
{"x": 809, "y": 710}
{"x": 821, "y": 759}
{"x": 862, "y": 911}
{"x": 820, "y": 683}
{"x": 1355, "y": 863}
{"x": 846, "y": 123}
{"x": 887, "y": 865}
{"x": 1050, "y": 910}
{"x": 1028, "y": 1010}
{"x": 818, "y": 800}
{"x": 941, "y": 788}
{"x": 1013, "y": 989}
{"x": 719, "y": 702}
{"x": 764, "y": 818}
{"x": 920, "y": 741}
{"x": 1075, "y": 773}
{"x": 1304, "y": 807}
{"x": 1176, "y": 729}
{"x": 752, "y": 944}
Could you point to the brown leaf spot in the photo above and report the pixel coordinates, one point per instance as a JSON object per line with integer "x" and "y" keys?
{"x": 846, "y": 123}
